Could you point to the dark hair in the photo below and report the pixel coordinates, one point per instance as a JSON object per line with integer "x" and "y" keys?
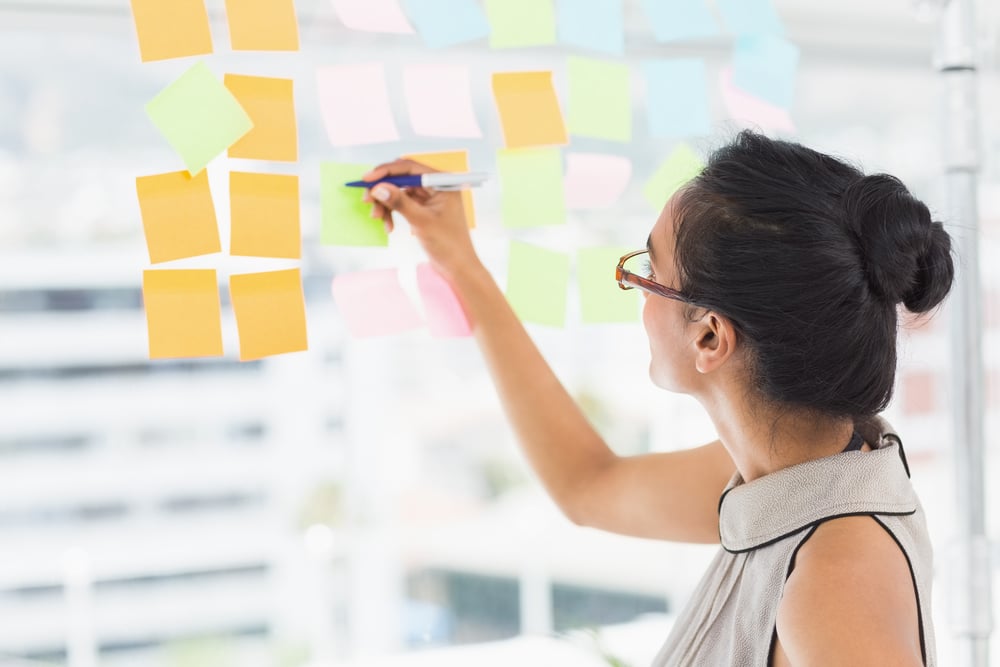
{"x": 808, "y": 257}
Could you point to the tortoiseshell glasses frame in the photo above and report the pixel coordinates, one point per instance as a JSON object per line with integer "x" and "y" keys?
{"x": 628, "y": 280}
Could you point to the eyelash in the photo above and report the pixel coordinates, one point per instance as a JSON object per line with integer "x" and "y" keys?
{"x": 647, "y": 270}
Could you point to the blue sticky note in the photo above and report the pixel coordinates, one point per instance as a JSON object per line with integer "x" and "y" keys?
{"x": 443, "y": 23}
{"x": 765, "y": 67}
{"x": 679, "y": 19}
{"x": 597, "y": 25}
{"x": 677, "y": 97}
{"x": 750, "y": 17}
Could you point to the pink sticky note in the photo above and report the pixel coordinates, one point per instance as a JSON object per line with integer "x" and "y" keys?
{"x": 752, "y": 111}
{"x": 373, "y": 16}
{"x": 594, "y": 180}
{"x": 354, "y": 101}
{"x": 445, "y": 315}
{"x": 374, "y": 304}
{"x": 439, "y": 98}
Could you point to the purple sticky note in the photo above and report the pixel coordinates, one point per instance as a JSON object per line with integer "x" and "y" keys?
{"x": 594, "y": 180}
{"x": 752, "y": 111}
{"x": 373, "y": 303}
{"x": 445, "y": 315}
{"x": 354, "y": 102}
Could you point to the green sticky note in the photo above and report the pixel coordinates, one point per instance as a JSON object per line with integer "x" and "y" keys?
{"x": 600, "y": 99}
{"x": 537, "y": 281}
{"x": 601, "y": 299}
{"x": 531, "y": 187}
{"x": 520, "y": 23}
{"x": 199, "y": 117}
{"x": 682, "y": 165}
{"x": 346, "y": 219}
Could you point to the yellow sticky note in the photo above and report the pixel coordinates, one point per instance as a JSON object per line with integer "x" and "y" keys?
{"x": 271, "y": 106}
{"x": 529, "y": 109}
{"x": 171, "y": 28}
{"x": 262, "y": 25}
{"x": 457, "y": 161}
{"x": 265, "y": 215}
{"x": 183, "y": 313}
{"x": 270, "y": 313}
{"x": 178, "y": 215}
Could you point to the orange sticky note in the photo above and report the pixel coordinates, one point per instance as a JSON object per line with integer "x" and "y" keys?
{"x": 270, "y": 313}
{"x": 529, "y": 109}
{"x": 178, "y": 215}
{"x": 265, "y": 215}
{"x": 183, "y": 313}
{"x": 451, "y": 161}
{"x": 171, "y": 28}
{"x": 271, "y": 106}
{"x": 262, "y": 25}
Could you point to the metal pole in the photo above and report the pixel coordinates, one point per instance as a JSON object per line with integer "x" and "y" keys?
{"x": 971, "y": 600}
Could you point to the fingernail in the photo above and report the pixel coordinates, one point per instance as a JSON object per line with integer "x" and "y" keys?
{"x": 368, "y": 174}
{"x": 380, "y": 194}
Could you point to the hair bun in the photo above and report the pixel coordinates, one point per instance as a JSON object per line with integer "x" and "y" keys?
{"x": 905, "y": 255}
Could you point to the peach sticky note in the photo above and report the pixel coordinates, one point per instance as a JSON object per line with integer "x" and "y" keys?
{"x": 270, "y": 103}
{"x": 373, "y": 16}
{"x": 262, "y": 25}
{"x": 373, "y": 303}
{"x": 529, "y": 110}
{"x": 439, "y": 98}
{"x": 171, "y": 28}
{"x": 265, "y": 215}
{"x": 594, "y": 180}
{"x": 445, "y": 315}
{"x": 457, "y": 161}
{"x": 178, "y": 216}
{"x": 354, "y": 102}
{"x": 270, "y": 313}
{"x": 183, "y": 313}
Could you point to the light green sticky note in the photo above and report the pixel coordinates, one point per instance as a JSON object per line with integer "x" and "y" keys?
{"x": 537, "y": 281}
{"x": 199, "y": 117}
{"x": 520, "y": 23}
{"x": 682, "y": 165}
{"x": 346, "y": 220}
{"x": 531, "y": 187}
{"x": 601, "y": 299}
{"x": 600, "y": 99}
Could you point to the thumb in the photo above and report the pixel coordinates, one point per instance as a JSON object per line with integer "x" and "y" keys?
{"x": 395, "y": 199}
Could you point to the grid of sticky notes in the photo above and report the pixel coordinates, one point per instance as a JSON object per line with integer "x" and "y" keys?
{"x": 201, "y": 116}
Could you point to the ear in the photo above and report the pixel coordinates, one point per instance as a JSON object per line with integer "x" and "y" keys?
{"x": 715, "y": 344}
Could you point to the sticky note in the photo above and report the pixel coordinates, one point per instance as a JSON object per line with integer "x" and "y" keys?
{"x": 531, "y": 187}
{"x": 183, "y": 313}
{"x": 445, "y": 315}
{"x": 765, "y": 66}
{"x": 601, "y": 299}
{"x": 521, "y": 23}
{"x": 750, "y": 111}
{"x": 373, "y": 16}
{"x": 529, "y": 109}
{"x": 346, "y": 220}
{"x": 681, "y": 166}
{"x": 439, "y": 99}
{"x": 443, "y": 23}
{"x": 270, "y": 103}
{"x": 262, "y": 25}
{"x": 171, "y": 28}
{"x": 264, "y": 210}
{"x": 354, "y": 102}
{"x": 199, "y": 117}
{"x": 595, "y": 180}
{"x": 270, "y": 313}
{"x": 597, "y": 24}
{"x": 600, "y": 99}
{"x": 750, "y": 17}
{"x": 674, "y": 20}
{"x": 677, "y": 97}
{"x": 373, "y": 303}
{"x": 457, "y": 161}
{"x": 537, "y": 283}
{"x": 178, "y": 216}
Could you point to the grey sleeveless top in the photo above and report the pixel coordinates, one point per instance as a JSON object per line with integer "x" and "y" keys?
{"x": 730, "y": 619}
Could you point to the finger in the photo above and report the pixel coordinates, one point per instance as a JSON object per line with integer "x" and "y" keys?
{"x": 395, "y": 199}
{"x": 378, "y": 211}
{"x": 399, "y": 167}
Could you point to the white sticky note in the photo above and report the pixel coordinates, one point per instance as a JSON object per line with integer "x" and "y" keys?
{"x": 439, "y": 99}
{"x": 373, "y": 16}
{"x": 595, "y": 180}
{"x": 354, "y": 102}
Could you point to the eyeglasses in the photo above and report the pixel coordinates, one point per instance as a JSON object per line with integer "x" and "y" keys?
{"x": 629, "y": 280}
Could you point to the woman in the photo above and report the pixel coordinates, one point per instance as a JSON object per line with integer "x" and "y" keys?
{"x": 771, "y": 290}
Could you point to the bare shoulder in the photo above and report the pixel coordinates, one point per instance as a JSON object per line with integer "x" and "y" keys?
{"x": 850, "y": 599}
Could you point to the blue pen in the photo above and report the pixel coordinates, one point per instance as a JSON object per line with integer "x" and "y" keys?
{"x": 437, "y": 181}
